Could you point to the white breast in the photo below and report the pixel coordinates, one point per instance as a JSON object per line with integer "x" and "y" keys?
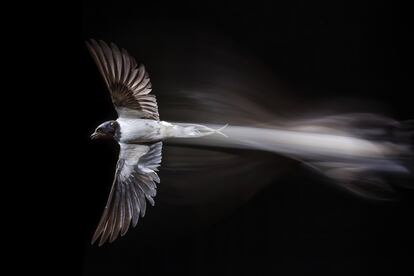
{"x": 138, "y": 130}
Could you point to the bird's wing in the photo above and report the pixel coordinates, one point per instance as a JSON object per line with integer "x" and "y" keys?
{"x": 128, "y": 83}
{"x": 135, "y": 182}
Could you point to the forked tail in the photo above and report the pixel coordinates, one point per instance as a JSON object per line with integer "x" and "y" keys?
{"x": 184, "y": 130}
{"x": 219, "y": 131}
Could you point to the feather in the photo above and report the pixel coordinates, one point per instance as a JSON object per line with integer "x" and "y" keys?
{"x": 128, "y": 84}
{"x": 133, "y": 186}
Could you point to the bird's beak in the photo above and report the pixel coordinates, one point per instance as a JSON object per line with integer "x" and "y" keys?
{"x": 95, "y": 135}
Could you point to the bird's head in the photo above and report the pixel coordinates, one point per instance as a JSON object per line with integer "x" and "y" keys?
{"x": 109, "y": 129}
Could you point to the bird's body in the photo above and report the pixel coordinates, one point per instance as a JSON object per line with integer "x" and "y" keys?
{"x": 133, "y": 131}
{"x": 139, "y": 132}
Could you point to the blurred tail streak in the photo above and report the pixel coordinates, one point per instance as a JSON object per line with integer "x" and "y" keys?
{"x": 345, "y": 139}
{"x": 357, "y": 151}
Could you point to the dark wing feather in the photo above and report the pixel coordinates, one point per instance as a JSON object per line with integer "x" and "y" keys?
{"x": 128, "y": 83}
{"x": 135, "y": 182}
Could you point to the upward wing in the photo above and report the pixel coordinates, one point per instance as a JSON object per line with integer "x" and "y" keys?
{"x": 135, "y": 182}
{"x": 128, "y": 83}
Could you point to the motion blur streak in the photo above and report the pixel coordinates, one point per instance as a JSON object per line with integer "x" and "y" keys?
{"x": 273, "y": 123}
{"x": 356, "y": 158}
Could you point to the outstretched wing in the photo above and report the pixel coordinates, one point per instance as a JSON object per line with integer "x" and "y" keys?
{"x": 128, "y": 83}
{"x": 135, "y": 182}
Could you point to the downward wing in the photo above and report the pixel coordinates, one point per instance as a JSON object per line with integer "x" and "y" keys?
{"x": 135, "y": 182}
{"x": 128, "y": 83}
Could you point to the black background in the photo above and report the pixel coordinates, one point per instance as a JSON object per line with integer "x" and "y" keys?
{"x": 296, "y": 226}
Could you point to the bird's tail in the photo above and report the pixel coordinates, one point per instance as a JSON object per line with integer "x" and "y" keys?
{"x": 188, "y": 130}
{"x": 359, "y": 152}
{"x": 219, "y": 130}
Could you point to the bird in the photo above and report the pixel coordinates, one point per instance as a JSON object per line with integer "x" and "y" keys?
{"x": 140, "y": 134}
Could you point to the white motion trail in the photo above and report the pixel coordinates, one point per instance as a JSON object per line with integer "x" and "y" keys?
{"x": 341, "y": 154}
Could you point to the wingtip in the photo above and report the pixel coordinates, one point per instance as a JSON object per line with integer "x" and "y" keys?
{"x": 103, "y": 240}
{"x": 93, "y": 241}
{"x": 103, "y": 44}
{"x": 90, "y": 41}
{"x": 94, "y": 238}
{"x": 91, "y": 44}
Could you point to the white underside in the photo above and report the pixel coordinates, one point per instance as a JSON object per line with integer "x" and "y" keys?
{"x": 143, "y": 130}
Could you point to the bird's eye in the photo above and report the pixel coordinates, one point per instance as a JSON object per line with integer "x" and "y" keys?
{"x": 112, "y": 124}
